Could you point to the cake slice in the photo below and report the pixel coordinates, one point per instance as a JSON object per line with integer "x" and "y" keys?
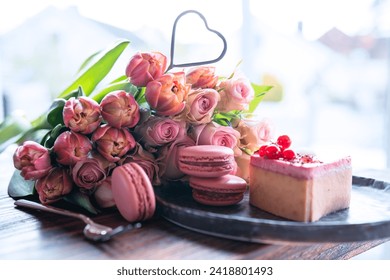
{"x": 302, "y": 188}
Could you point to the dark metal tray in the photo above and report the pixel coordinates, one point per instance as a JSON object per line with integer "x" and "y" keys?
{"x": 368, "y": 217}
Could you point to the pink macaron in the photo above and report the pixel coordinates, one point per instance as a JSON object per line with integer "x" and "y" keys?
{"x": 133, "y": 192}
{"x": 218, "y": 191}
{"x": 206, "y": 161}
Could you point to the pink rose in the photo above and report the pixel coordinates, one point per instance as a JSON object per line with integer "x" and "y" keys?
{"x": 103, "y": 194}
{"x": 33, "y": 160}
{"x": 159, "y": 131}
{"x": 215, "y": 134}
{"x": 119, "y": 109}
{"x": 147, "y": 161}
{"x": 71, "y": 147}
{"x": 146, "y": 67}
{"x": 89, "y": 173}
{"x": 168, "y": 158}
{"x": 167, "y": 94}
{"x": 202, "y": 77}
{"x": 200, "y": 106}
{"x": 113, "y": 143}
{"x": 82, "y": 114}
{"x": 52, "y": 187}
{"x": 253, "y": 133}
{"x": 236, "y": 94}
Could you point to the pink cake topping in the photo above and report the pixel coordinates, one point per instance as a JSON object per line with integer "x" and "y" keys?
{"x": 279, "y": 157}
{"x": 298, "y": 168}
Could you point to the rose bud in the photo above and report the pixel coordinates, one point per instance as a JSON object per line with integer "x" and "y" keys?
{"x": 119, "y": 109}
{"x": 159, "y": 131}
{"x": 113, "y": 143}
{"x": 168, "y": 158}
{"x": 200, "y": 106}
{"x": 202, "y": 77}
{"x": 146, "y": 67}
{"x": 167, "y": 94}
{"x": 70, "y": 147}
{"x": 215, "y": 134}
{"x": 33, "y": 160}
{"x": 56, "y": 184}
{"x": 103, "y": 194}
{"x": 253, "y": 133}
{"x": 236, "y": 94}
{"x": 147, "y": 162}
{"x": 89, "y": 172}
{"x": 82, "y": 114}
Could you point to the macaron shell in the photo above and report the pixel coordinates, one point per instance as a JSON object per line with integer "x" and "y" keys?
{"x": 206, "y": 171}
{"x": 204, "y": 153}
{"x": 219, "y": 191}
{"x": 224, "y": 184}
{"x": 133, "y": 192}
{"x": 206, "y": 161}
{"x": 216, "y": 199}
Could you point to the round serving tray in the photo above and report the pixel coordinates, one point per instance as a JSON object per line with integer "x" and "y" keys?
{"x": 368, "y": 217}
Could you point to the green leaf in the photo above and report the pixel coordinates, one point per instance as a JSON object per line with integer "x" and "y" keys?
{"x": 119, "y": 79}
{"x": 49, "y": 139}
{"x": 82, "y": 200}
{"x": 140, "y": 96}
{"x": 225, "y": 119}
{"x": 88, "y": 60}
{"x": 19, "y": 187}
{"x": 95, "y": 72}
{"x": 121, "y": 85}
{"x": 13, "y": 125}
{"x": 54, "y": 117}
{"x": 260, "y": 91}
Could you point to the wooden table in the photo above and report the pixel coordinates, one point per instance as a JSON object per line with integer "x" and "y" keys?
{"x": 30, "y": 234}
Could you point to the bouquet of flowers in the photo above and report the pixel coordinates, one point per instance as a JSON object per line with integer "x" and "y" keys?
{"x": 145, "y": 116}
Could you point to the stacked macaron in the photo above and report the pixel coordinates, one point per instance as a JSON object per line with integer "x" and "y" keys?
{"x": 209, "y": 168}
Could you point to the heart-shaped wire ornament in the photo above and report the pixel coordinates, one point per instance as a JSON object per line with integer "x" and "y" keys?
{"x": 173, "y": 65}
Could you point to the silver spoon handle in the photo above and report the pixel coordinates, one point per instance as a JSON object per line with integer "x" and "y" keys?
{"x": 38, "y": 206}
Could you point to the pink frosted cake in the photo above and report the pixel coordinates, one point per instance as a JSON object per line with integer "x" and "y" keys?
{"x": 299, "y": 188}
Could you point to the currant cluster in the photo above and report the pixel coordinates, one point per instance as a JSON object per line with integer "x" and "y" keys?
{"x": 278, "y": 150}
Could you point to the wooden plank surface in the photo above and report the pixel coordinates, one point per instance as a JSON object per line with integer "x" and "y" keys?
{"x": 29, "y": 234}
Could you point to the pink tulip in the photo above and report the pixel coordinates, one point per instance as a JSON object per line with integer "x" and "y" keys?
{"x": 89, "y": 173}
{"x": 159, "y": 131}
{"x": 119, "y": 109}
{"x": 147, "y": 162}
{"x": 56, "y": 184}
{"x": 113, "y": 143}
{"x": 200, "y": 106}
{"x": 70, "y": 147}
{"x": 236, "y": 94}
{"x": 168, "y": 158}
{"x": 215, "y": 134}
{"x": 82, "y": 114}
{"x": 167, "y": 94}
{"x": 33, "y": 160}
{"x": 202, "y": 77}
{"x": 146, "y": 67}
{"x": 103, "y": 194}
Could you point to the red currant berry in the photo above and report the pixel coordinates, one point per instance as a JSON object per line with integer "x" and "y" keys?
{"x": 262, "y": 150}
{"x": 284, "y": 141}
{"x": 272, "y": 151}
{"x": 288, "y": 154}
